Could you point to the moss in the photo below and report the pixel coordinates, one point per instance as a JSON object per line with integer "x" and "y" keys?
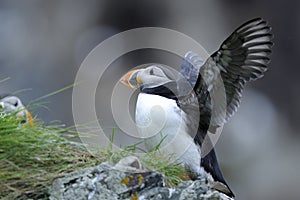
{"x": 125, "y": 180}
{"x": 135, "y": 197}
{"x": 140, "y": 179}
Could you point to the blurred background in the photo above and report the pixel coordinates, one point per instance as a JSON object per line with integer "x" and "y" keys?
{"x": 42, "y": 44}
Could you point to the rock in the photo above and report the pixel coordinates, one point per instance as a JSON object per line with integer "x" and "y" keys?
{"x": 129, "y": 164}
{"x": 127, "y": 180}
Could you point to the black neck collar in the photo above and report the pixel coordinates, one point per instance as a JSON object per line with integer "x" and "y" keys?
{"x": 167, "y": 90}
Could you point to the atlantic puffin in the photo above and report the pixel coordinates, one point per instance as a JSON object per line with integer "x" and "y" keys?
{"x": 168, "y": 108}
{"x": 13, "y": 104}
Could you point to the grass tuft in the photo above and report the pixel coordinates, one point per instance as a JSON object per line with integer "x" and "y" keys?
{"x": 31, "y": 157}
{"x": 152, "y": 160}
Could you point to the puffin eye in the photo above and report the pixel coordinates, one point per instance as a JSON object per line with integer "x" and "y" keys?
{"x": 151, "y": 71}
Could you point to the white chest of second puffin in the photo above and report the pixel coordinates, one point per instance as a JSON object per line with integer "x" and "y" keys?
{"x": 159, "y": 118}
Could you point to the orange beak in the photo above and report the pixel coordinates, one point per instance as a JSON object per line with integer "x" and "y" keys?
{"x": 125, "y": 79}
{"x": 30, "y": 121}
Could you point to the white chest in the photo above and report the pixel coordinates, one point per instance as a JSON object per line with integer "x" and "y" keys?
{"x": 159, "y": 118}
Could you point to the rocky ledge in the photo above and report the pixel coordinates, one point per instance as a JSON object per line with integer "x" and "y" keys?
{"x": 127, "y": 180}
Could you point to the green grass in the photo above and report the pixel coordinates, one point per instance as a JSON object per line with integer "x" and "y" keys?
{"x": 31, "y": 157}
{"x": 152, "y": 160}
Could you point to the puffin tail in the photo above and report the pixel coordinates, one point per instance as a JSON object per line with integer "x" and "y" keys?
{"x": 210, "y": 165}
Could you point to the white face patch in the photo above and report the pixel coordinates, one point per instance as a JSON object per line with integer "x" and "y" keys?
{"x": 11, "y": 104}
{"x": 153, "y": 76}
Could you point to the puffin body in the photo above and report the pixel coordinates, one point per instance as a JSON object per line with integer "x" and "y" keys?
{"x": 160, "y": 120}
{"x": 178, "y": 113}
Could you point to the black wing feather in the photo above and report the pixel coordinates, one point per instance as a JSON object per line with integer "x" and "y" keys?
{"x": 242, "y": 57}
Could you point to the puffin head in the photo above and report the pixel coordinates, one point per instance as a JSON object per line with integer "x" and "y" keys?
{"x": 12, "y": 104}
{"x": 148, "y": 77}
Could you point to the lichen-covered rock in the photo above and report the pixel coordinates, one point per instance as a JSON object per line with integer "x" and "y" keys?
{"x": 123, "y": 182}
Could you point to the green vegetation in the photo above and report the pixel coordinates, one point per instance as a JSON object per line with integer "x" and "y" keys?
{"x": 31, "y": 157}
{"x": 152, "y": 160}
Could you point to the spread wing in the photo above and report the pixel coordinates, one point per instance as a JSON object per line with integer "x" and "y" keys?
{"x": 188, "y": 74}
{"x": 242, "y": 57}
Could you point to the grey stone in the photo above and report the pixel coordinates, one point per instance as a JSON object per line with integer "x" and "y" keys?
{"x": 109, "y": 182}
{"x": 130, "y": 163}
